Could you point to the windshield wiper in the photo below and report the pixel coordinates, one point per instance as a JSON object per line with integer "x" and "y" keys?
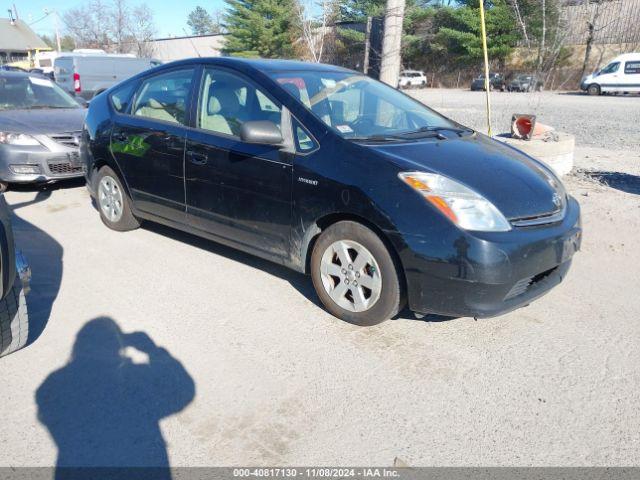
{"x": 459, "y": 131}
{"x": 393, "y": 137}
{"x": 44, "y": 107}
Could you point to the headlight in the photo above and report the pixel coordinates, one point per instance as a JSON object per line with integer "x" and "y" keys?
{"x": 460, "y": 204}
{"x": 17, "y": 139}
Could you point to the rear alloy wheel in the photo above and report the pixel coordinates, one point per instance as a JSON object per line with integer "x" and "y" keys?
{"x": 113, "y": 202}
{"x": 594, "y": 89}
{"x": 354, "y": 274}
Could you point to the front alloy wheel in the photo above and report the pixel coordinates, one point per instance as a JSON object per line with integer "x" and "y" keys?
{"x": 351, "y": 275}
{"x": 355, "y": 275}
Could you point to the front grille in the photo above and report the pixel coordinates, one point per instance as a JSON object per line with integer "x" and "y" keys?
{"x": 521, "y": 286}
{"x": 60, "y": 167}
{"x": 543, "y": 219}
{"x": 68, "y": 139}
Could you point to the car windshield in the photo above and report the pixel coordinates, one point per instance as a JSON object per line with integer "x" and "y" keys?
{"x": 32, "y": 92}
{"x": 357, "y": 107}
{"x": 523, "y": 77}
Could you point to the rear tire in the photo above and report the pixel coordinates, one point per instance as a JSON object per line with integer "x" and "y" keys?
{"x": 113, "y": 202}
{"x": 14, "y": 320}
{"x": 379, "y": 295}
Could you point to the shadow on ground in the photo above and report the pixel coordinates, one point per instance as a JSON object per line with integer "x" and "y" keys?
{"x": 624, "y": 182}
{"x": 104, "y": 406}
{"x": 44, "y": 255}
{"x": 300, "y": 282}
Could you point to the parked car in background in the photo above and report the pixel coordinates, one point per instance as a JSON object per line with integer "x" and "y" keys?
{"x": 40, "y": 128}
{"x": 88, "y": 74}
{"x": 525, "y": 82}
{"x": 329, "y": 172}
{"x": 496, "y": 82}
{"x": 412, "y": 78}
{"x": 621, "y": 75}
{"x": 11, "y": 68}
{"x": 14, "y": 284}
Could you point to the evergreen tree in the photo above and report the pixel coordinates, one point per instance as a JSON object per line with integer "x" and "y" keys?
{"x": 260, "y": 28}
{"x": 200, "y": 22}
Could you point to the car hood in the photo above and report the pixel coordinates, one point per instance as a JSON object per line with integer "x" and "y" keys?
{"x": 42, "y": 121}
{"x": 517, "y": 185}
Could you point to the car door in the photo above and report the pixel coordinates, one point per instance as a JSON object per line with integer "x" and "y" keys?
{"x": 632, "y": 76}
{"x": 148, "y": 143}
{"x": 608, "y": 78}
{"x": 237, "y": 191}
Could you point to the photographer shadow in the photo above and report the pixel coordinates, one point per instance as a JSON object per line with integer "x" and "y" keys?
{"x": 103, "y": 408}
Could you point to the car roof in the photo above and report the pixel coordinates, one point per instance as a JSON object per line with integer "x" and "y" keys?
{"x": 262, "y": 64}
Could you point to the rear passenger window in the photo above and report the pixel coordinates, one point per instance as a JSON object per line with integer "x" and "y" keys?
{"x": 165, "y": 97}
{"x": 632, "y": 67}
{"x": 121, "y": 97}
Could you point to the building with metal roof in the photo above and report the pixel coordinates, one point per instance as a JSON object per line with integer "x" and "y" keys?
{"x": 17, "y": 41}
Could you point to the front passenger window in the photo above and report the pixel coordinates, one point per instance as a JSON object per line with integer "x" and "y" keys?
{"x": 164, "y": 97}
{"x": 228, "y": 100}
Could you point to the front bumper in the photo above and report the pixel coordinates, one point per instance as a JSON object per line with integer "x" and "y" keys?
{"x": 47, "y": 165}
{"x": 489, "y": 274}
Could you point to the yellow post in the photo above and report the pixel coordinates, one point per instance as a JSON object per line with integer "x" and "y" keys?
{"x": 486, "y": 65}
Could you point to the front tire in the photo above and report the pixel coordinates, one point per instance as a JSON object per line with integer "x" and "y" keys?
{"x": 594, "y": 89}
{"x": 113, "y": 203}
{"x": 355, "y": 275}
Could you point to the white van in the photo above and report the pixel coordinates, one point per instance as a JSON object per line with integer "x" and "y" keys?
{"x": 621, "y": 75}
{"x": 88, "y": 74}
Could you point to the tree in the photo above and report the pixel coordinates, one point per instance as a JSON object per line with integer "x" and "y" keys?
{"x": 111, "y": 26}
{"x": 66, "y": 42}
{"x": 200, "y": 22}
{"x": 142, "y": 30}
{"x": 314, "y": 26}
{"x": 542, "y": 28}
{"x": 260, "y": 28}
{"x": 458, "y": 32}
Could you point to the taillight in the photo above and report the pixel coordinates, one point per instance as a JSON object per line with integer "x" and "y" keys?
{"x": 76, "y": 83}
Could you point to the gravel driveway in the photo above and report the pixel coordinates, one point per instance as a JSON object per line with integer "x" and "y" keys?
{"x": 611, "y": 122}
{"x": 253, "y": 372}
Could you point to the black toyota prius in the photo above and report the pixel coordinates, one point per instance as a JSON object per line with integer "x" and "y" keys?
{"x": 383, "y": 201}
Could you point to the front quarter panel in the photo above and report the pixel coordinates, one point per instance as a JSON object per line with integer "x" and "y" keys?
{"x": 347, "y": 180}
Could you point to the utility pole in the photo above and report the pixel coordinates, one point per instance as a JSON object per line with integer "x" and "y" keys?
{"x": 56, "y": 20}
{"x": 483, "y": 32}
{"x": 367, "y": 47}
{"x": 392, "y": 42}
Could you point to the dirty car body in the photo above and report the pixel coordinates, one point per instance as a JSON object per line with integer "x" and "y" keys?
{"x": 40, "y": 127}
{"x": 339, "y": 162}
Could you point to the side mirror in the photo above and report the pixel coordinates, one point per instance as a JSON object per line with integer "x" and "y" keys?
{"x": 262, "y": 132}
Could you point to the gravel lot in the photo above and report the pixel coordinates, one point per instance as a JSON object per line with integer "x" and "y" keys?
{"x": 611, "y": 122}
{"x": 280, "y": 382}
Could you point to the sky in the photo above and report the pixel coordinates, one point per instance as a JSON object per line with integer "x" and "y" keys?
{"x": 169, "y": 19}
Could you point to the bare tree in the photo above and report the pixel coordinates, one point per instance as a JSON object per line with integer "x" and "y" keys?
{"x": 113, "y": 27}
{"x": 86, "y": 24}
{"x": 142, "y": 30}
{"x": 120, "y": 23}
{"x": 314, "y": 28}
{"x": 521, "y": 23}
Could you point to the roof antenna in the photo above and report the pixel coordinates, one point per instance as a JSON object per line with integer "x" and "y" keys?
{"x": 11, "y": 19}
{"x": 192, "y": 44}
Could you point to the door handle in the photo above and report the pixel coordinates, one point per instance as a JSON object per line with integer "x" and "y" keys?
{"x": 197, "y": 158}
